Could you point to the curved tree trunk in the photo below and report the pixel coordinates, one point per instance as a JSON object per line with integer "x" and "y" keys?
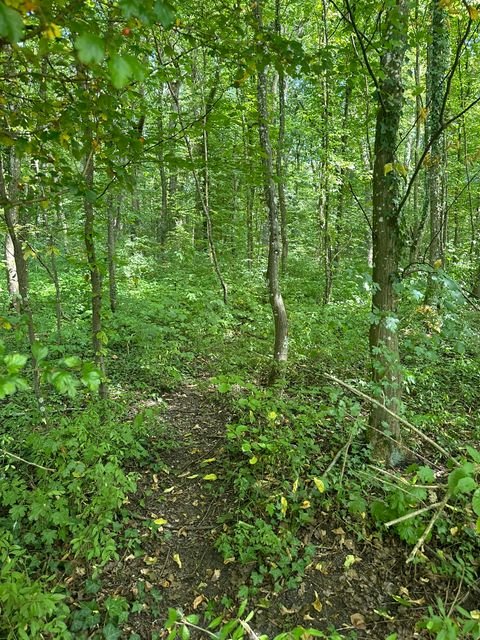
{"x": 280, "y": 352}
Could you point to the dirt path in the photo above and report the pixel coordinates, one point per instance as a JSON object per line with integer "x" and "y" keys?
{"x": 178, "y": 566}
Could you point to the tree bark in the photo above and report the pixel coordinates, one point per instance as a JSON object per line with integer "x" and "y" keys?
{"x": 386, "y": 238}
{"x": 437, "y": 69}
{"x": 280, "y": 157}
{"x": 95, "y": 275}
{"x": 280, "y": 352}
{"x": 11, "y": 222}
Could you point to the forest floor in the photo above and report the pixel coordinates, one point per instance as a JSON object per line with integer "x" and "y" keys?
{"x": 175, "y": 563}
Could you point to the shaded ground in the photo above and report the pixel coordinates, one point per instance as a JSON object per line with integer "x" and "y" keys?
{"x": 172, "y": 562}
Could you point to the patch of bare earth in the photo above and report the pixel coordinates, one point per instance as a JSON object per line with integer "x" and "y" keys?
{"x": 361, "y": 586}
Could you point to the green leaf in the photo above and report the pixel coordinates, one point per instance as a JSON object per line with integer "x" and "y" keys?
{"x": 165, "y": 13}
{"x": 72, "y": 361}
{"x": 466, "y": 485}
{"x": 90, "y": 48}
{"x": 120, "y": 71}
{"x": 111, "y": 632}
{"x": 14, "y": 362}
{"x": 39, "y": 351}
{"x": 11, "y": 23}
{"x": 476, "y": 502}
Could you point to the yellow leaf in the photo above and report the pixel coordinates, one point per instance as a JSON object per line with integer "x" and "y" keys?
{"x": 437, "y": 264}
{"x": 349, "y": 560}
{"x": 169, "y": 490}
{"x": 401, "y": 169}
{"x": 150, "y": 560}
{"x": 198, "y": 601}
{"x": 52, "y": 31}
{"x": 160, "y": 521}
{"x": 283, "y": 505}
{"x": 295, "y": 486}
{"x": 253, "y": 460}
{"x": 210, "y": 476}
{"x": 176, "y": 558}
{"x": 305, "y": 504}
{"x": 475, "y": 614}
{"x": 422, "y": 114}
{"x": 271, "y": 415}
{"x": 319, "y": 484}
{"x": 473, "y": 12}
{"x": 387, "y": 168}
{"x": 207, "y": 461}
{"x": 317, "y": 605}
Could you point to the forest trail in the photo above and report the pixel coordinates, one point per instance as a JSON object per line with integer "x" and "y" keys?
{"x": 176, "y": 510}
{"x": 176, "y": 563}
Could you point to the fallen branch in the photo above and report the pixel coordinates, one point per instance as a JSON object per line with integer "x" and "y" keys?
{"x": 407, "y": 424}
{"x": 32, "y": 464}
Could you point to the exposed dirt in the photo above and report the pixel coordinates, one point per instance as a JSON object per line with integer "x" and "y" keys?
{"x": 175, "y": 564}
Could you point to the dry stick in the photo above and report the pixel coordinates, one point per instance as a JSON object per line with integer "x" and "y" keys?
{"x": 407, "y": 424}
{"x": 32, "y": 464}
{"x": 424, "y": 535}
{"x": 337, "y": 456}
{"x": 409, "y": 516}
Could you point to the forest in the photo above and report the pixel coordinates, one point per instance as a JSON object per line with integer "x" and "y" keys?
{"x": 240, "y": 319}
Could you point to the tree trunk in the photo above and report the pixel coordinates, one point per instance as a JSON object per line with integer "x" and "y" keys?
{"x": 280, "y": 157}
{"x": 11, "y": 214}
{"x": 111, "y": 253}
{"x": 386, "y": 239}
{"x": 438, "y": 61}
{"x": 95, "y": 275}
{"x": 280, "y": 352}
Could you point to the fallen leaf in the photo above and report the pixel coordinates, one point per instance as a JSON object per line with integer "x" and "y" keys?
{"x": 210, "y": 476}
{"x": 229, "y": 560}
{"x": 358, "y": 621}
{"x": 198, "y": 601}
{"x": 349, "y": 560}
{"x": 207, "y": 461}
{"x": 475, "y": 614}
{"x": 319, "y": 484}
{"x": 287, "y": 612}
{"x": 176, "y": 558}
{"x": 317, "y": 605}
{"x": 193, "y": 476}
{"x": 169, "y": 490}
{"x": 283, "y": 505}
{"x": 306, "y": 504}
{"x": 160, "y": 521}
{"x": 150, "y": 560}
{"x": 215, "y": 575}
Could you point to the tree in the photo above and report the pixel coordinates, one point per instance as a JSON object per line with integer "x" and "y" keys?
{"x": 386, "y": 236}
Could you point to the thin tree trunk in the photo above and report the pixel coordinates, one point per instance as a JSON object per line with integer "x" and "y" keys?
{"x": 11, "y": 215}
{"x": 436, "y": 72}
{"x": 386, "y": 239}
{"x": 95, "y": 275}
{"x": 280, "y": 157}
{"x": 112, "y": 254}
{"x": 280, "y": 352}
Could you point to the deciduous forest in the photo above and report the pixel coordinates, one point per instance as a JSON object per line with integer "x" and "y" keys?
{"x": 240, "y": 319}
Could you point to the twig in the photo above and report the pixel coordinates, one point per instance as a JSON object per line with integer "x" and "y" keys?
{"x": 336, "y": 457}
{"x": 32, "y": 464}
{"x": 423, "y": 537}
{"x": 251, "y": 633}
{"x": 412, "y": 514}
